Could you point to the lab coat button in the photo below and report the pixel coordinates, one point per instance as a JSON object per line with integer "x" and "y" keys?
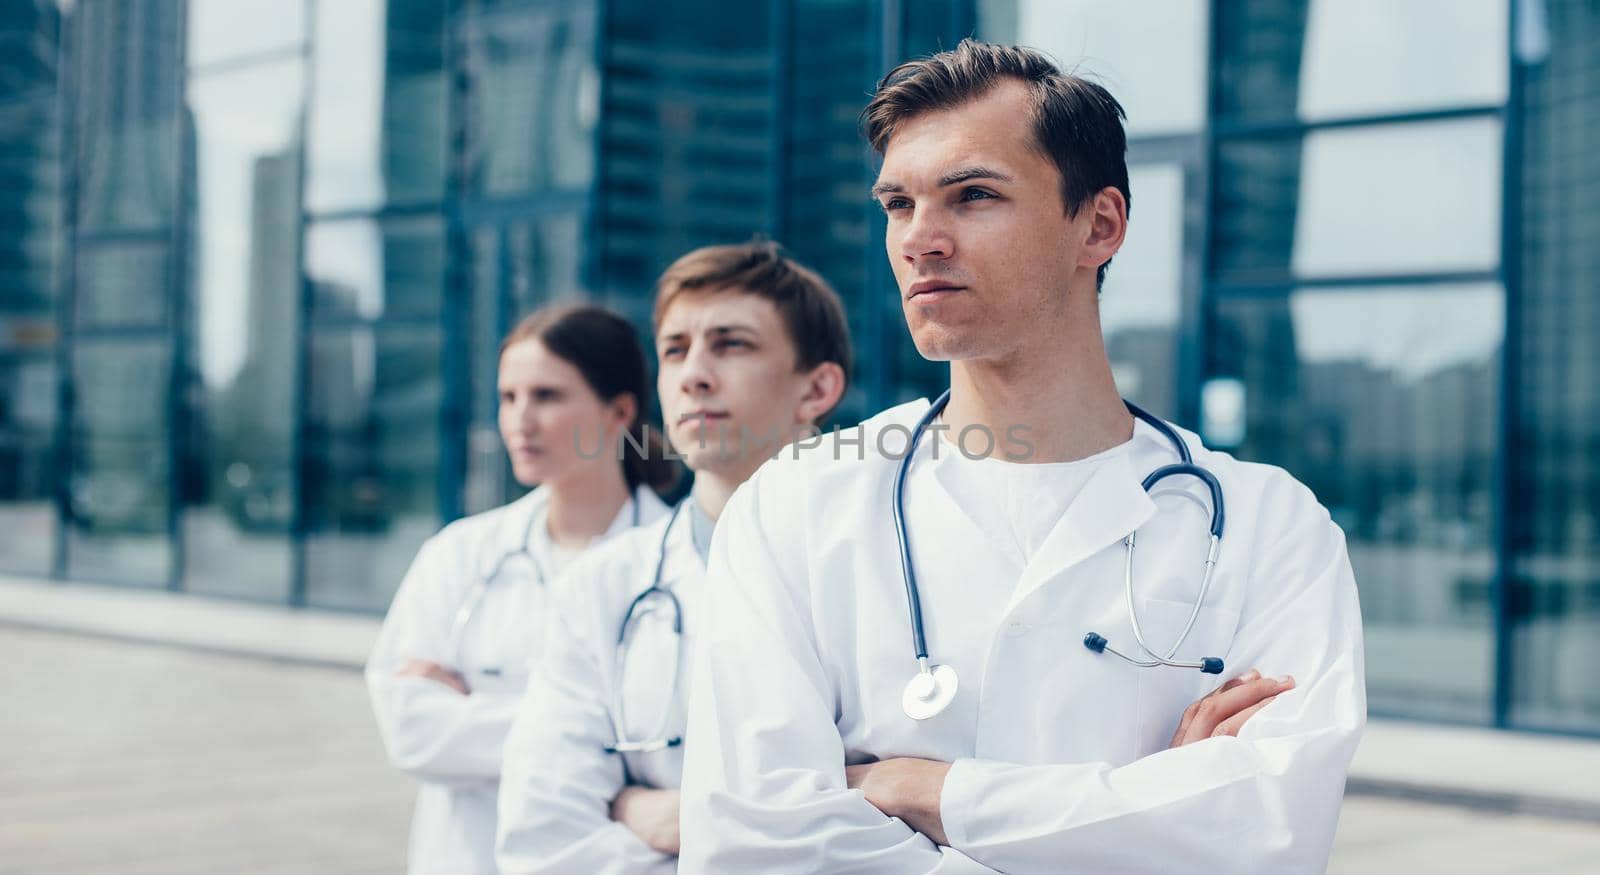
{"x": 1017, "y": 629}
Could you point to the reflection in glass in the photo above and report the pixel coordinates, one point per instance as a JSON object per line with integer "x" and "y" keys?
{"x": 126, "y": 103}
{"x": 1406, "y": 61}
{"x": 1293, "y": 59}
{"x": 372, "y": 450}
{"x": 688, "y": 134}
{"x": 533, "y": 99}
{"x": 825, "y": 206}
{"x": 118, "y": 491}
{"x": 223, "y": 30}
{"x": 367, "y": 268}
{"x": 122, "y": 286}
{"x": 237, "y": 482}
{"x": 1554, "y": 509}
{"x": 1360, "y": 201}
{"x": 488, "y": 478}
{"x": 378, "y": 119}
{"x": 27, "y": 462}
{"x": 1151, "y": 54}
{"x": 1385, "y": 403}
{"x": 1140, "y": 303}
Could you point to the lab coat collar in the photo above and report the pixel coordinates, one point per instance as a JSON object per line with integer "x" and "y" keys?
{"x": 682, "y": 560}
{"x": 1111, "y": 504}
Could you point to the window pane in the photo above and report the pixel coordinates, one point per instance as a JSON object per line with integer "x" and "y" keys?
{"x": 126, "y": 99}
{"x": 488, "y": 481}
{"x": 1151, "y": 54}
{"x": 30, "y": 158}
{"x": 237, "y": 475}
{"x": 123, "y": 286}
{"x": 368, "y": 268}
{"x": 28, "y": 467}
{"x": 688, "y": 134}
{"x": 118, "y": 477}
{"x": 1360, "y": 201}
{"x": 826, "y": 211}
{"x": 1554, "y": 510}
{"x": 1285, "y": 58}
{"x": 371, "y": 471}
{"x": 221, "y": 30}
{"x": 1385, "y": 403}
{"x": 378, "y": 120}
{"x": 534, "y": 99}
{"x": 1140, "y": 304}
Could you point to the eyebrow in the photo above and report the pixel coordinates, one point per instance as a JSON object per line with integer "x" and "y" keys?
{"x": 952, "y": 178}
{"x": 721, "y": 330}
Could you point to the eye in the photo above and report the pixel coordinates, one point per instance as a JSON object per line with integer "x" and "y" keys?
{"x": 728, "y": 342}
{"x": 977, "y": 194}
{"x": 670, "y": 352}
{"x": 896, "y": 203}
{"x": 546, "y": 395}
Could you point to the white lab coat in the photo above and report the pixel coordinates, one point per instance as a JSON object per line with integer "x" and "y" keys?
{"x": 558, "y": 782}
{"x": 1059, "y": 760}
{"x": 449, "y": 742}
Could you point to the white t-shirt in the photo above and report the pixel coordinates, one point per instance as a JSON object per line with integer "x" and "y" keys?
{"x": 1016, "y": 504}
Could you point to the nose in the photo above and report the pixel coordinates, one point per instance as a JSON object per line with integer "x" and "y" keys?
{"x": 926, "y": 236}
{"x": 697, "y": 376}
{"x": 521, "y": 414}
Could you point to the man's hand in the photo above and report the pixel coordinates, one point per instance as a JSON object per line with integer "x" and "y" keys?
{"x": 433, "y": 671}
{"x": 651, "y": 814}
{"x": 1227, "y": 707}
{"x": 904, "y": 787}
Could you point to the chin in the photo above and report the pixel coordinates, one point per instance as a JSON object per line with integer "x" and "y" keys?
{"x": 533, "y": 475}
{"x": 941, "y": 344}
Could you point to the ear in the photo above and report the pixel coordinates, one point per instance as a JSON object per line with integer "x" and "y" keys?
{"x": 824, "y": 387}
{"x": 1108, "y": 225}
{"x": 623, "y": 409}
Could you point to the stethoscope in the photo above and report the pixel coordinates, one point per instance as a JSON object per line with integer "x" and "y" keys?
{"x": 657, "y": 739}
{"x": 934, "y": 686}
{"x": 475, "y": 593}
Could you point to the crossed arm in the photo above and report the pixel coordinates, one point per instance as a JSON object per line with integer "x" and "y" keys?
{"x": 910, "y": 788}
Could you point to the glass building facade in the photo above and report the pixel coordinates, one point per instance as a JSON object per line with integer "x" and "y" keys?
{"x": 256, "y": 257}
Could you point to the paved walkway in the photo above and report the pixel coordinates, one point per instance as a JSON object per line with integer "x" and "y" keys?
{"x": 148, "y": 760}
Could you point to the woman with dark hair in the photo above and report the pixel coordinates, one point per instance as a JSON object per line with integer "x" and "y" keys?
{"x": 452, "y": 658}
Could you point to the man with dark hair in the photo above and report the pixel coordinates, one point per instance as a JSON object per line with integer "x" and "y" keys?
{"x": 1054, "y": 710}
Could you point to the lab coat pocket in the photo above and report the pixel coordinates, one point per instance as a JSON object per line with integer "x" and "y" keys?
{"x": 1164, "y": 692}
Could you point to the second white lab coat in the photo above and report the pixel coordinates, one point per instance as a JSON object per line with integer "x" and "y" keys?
{"x": 558, "y": 781}
{"x": 450, "y": 742}
{"x": 1059, "y": 754}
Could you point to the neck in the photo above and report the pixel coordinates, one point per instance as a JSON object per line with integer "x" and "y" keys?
{"x": 712, "y": 489}
{"x": 584, "y": 504}
{"x": 1058, "y": 397}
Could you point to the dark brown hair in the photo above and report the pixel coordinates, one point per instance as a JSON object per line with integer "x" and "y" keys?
{"x": 603, "y": 347}
{"x": 1076, "y": 123}
{"x": 810, "y": 308}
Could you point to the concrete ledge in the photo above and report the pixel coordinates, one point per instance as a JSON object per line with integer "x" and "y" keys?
{"x": 298, "y": 635}
{"x": 1485, "y": 769}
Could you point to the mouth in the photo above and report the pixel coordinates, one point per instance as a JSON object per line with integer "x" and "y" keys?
{"x": 704, "y": 416}
{"x": 932, "y": 290}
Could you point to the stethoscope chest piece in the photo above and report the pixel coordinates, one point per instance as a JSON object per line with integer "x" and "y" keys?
{"x": 929, "y": 692}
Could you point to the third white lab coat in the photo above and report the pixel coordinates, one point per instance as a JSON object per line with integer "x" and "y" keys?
{"x": 450, "y": 742}
{"x": 558, "y": 781}
{"x": 1059, "y": 759}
